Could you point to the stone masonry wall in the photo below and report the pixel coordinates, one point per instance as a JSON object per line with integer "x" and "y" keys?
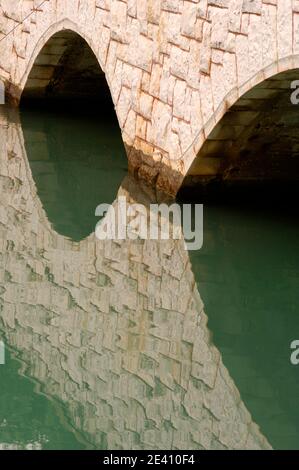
{"x": 173, "y": 66}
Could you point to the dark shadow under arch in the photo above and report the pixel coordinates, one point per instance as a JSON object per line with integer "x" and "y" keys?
{"x": 66, "y": 69}
{"x": 256, "y": 142}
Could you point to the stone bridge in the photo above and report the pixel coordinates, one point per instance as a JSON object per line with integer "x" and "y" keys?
{"x": 194, "y": 83}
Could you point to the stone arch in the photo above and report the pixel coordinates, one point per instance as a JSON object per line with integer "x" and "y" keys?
{"x": 71, "y": 157}
{"x": 61, "y": 55}
{"x": 34, "y": 47}
{"x": 251, "y": 120}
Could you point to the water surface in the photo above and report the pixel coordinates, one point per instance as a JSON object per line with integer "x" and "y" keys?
{"x": 248, "y": 273}
{"x": 107, "y": 342}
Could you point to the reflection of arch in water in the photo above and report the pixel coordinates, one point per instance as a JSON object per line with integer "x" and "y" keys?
{"x": 76, "y": 164}
{"x": 116, "y": 331}
{"x": 72, "y": 155}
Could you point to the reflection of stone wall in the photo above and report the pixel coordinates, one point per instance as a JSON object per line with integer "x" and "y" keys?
{"x": 116, "y": 331}
{"x": 173, "y": 67}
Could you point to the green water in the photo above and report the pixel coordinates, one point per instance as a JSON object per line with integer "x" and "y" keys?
{"x": 89, "y": 367}
{"x": 30, "y": 419}
{"x": 69, "y": 157}
{"x": 249, "y": 281}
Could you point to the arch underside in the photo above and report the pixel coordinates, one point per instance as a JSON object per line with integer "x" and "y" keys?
{"x": 256, "y": 140}
{"x": 66, "y": 69}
